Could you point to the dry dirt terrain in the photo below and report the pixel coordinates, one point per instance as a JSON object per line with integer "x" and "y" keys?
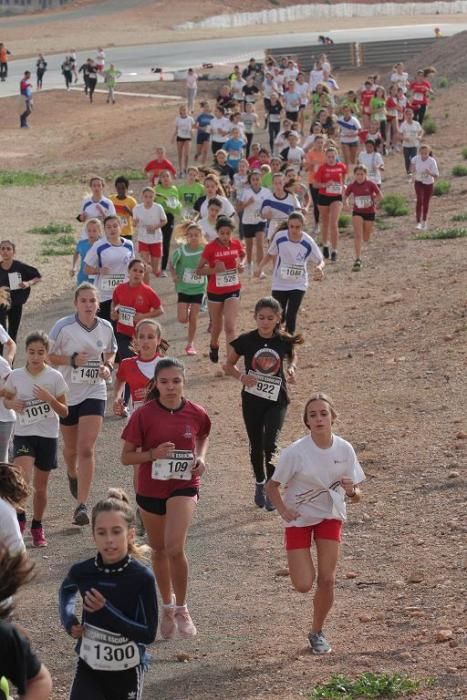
{"x": 389, "y": 344}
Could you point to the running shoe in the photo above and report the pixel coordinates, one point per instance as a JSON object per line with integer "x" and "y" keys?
{"x": 190, "y": 349}
{"x": 214, "y": 354}
{"x": 262, "y": 275}
{"x": 38, "y": 537}
{"x": 268, "y": 504}
{"x": 185, "y": 626}
{"x": 167, "y": 626}
{"x": 326, "y": 252}
{"x": 259, "y": 495}
{"x": 164, "y": 273}
{"x": 318, "y": 643}
{"x": 357, "y": 266}
{"x": 424, "y": 226}
{"x": 80, "y": 516}
{"x": 125, "y": 412}
{"x": 419, "y": 226}
{"x": 334, "y": 256}
{"x": 73, "y": 485}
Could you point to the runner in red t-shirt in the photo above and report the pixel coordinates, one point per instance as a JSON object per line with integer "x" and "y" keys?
{"x": 330, "y": 180}
{"x": 366, "y": 194}
{"x": 366, "y": 95}
{"x": 154, "y": 168}
{"x": 222, "y": 261}
{"x": 420, "y": 89}
{"x": 168, "y": 436}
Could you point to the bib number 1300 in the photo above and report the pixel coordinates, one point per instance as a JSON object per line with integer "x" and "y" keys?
{"x": 106, "y": 651}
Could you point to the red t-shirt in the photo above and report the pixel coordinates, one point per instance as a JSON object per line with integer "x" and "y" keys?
{"x": 365, "y": 98}
{"x": 155, "y": 167}
{"x": 230, "y": 255}
{"x": 137, "y": 373}
{"x": 363, "y": 195}
{"x": 140, "y": 299}
{"x": 419, "y": 90}
{"x": 254, "y": 163}
{"x": 153, "y": 424}
{"x": 333, "y": 176}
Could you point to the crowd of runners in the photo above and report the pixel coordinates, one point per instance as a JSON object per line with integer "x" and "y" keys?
{"x": 259, "y": 172}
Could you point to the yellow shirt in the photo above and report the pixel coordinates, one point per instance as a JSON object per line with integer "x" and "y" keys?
{"x": 126, "y": 220}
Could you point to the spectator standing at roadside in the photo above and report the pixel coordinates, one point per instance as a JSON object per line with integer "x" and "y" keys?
{"x": 111, "y": 75}
{"x": 100, "y": 60}
{"x": 4, "y": 53}
{"x": 41, "y": 67}
{"x": 191, "y": 83}
{"x": 25, "y": 89}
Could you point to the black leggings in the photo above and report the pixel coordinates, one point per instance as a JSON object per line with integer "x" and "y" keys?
{"x": 263, "y": 421}
{"x": 106, "y": 685}
{"x": 92, "y": 82}
{"x": 419, "y": 113}
{"x": 274, "y": 129}
{"x": 314, "y": 191}
{"x": 167, "y": 231}
{"x": 10, "y": 319}
{"x": 249, "y": 139}
{"x": 409, "y": 153}
{"x": 290, "y": 301}
{"x": 68, "y": 75}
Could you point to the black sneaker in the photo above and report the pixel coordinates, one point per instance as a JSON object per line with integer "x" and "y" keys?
{"x": 269, "y": 505}
{"x": 259, "y": 495}
{"x": 326, "y": 252}
{"x": 357, "y": 266}
{"x": 334, "y": 256}
{"x": 214, "y": 354}
{"x": 73, "y": 484}
{"x": 80, "y": 516}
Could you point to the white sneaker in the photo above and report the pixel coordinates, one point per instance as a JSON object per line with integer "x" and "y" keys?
{"x": 249, "y": 269}
{"x": 262, "y": 275}
{"x": 185, "y": 626}
{"x": 419, "y": 226}
{"x": 424, "y": 226}
{"x": 167, "y": 624}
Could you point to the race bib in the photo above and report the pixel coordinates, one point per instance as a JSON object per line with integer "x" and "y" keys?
{"x": 418, "y": 96}
{"x": 292, "y": 272}
{"x": 88, "y": 374}
{"x": 123, "y": 221}
{"x": 35, "y": 410}
{"x": 334, "y": 188}
{"x": 178, "y": 466}
{"x": 190, "y": 276}
{"x": 363, "y": 202}
{"x": 108, "y": 282}
{"x": 274, "y": 118}
{"x": 108, "y": 651}
{"x": 229, "y": 278}
{"x": 173, "y": 202}
{"x": 266, "y": 387}
{"x": 184, "y": 133}
{"x": 126, "y": 315}
{"x": 14, "y": 280}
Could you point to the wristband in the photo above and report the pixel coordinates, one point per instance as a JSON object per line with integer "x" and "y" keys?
{"x": 109, "y": 366}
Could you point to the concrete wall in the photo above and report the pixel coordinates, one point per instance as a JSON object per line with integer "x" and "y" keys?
{"x": 13, "y": 6}
{"x": 345, "y": 9}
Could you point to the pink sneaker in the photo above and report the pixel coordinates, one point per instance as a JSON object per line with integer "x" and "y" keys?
{"x": 185, "y": 626}
{"x": 190, "y": 349}
{"x": 167, "y": 626}
{"x": 38, "y": 537}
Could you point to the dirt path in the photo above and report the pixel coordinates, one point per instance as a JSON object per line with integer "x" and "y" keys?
{"x": 389, "y": 345}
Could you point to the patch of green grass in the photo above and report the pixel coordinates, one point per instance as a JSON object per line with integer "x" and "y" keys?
{"x": 59, "y": 245}
{"x": 21, "y": 178}
{"x": 51, "y": 229}
{"x": 464, "y": 153}
{"x": 441, "y": 187}
{"x": 395, "y": 205}
{"x": 443, "y": 82}
{"x": 369, "y": 685}
{"x": 383, "y": 224}
{"x": 441, "y": 234}
{"x": 459, "y": 217}
{"x": 459, "y": 171}
{"x": 344, "y": 220}
{"x": 429, "y": 126}
{"x": 130, "y": 174}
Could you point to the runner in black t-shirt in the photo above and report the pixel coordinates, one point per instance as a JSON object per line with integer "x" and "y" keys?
{"x": 264, "y": 393}
{"x": 19, "y": 278}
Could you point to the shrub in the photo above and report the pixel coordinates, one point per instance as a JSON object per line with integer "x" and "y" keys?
{"x": 344, "y": 220}
{"x": 429, "y": 126}
{"x": 51, "y": 229}
{"x": 20, "y": 178}
{"x": 459, "y": 217}
{"x": 395, "y": 205}
{"x": 464, "y": 153}
{"x": 441, "y": 187}
{"x": 442, "y": 234}
{"x": 443, "y": 82}
{"x": 459, "y": 171}
{"x": 369, "y": 685}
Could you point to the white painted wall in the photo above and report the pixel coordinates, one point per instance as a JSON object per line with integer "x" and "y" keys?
{"x": 345, "y": 9}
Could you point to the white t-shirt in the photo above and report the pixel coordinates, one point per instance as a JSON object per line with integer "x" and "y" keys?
{"x": 22, "y": 383}
{"x": 423, "y": 168}
{"x": 372, "y": 162}
{"x": 9, "y": 528}
{"x": 90, "y": 208}
{"x": 303, "y": 90}
{"x": 295, "y": 156}
{"x": 184, "y": 127}
{"x": 67, "y": 336}
{"x": 116, "y": 258}
{"x": 411, "y": 134}
{"x": 251, "y": 213}
{"x": 155, "y": 216}
{"x": 236, "y": 86}
{"x": 400, "y": 79}
{"x": 291, "y": 259}
{"x": 349, "y": 129}
{"x": 290, "y": 73}
{"x": 208, "y": 228}
{"x": 316, "y": 76}
{"x": 227, "y": 208}
{"x": 191, "y": 80}
{"x": 220, "y": 123}
{"x": 281, "y": 208}
{"x": 6, "y": 414}
{"x": 311, "y": 477}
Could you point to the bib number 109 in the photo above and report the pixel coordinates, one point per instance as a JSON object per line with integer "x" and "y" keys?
{"x": 178, "y": 466}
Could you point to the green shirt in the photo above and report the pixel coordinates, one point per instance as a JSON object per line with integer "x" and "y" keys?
{"x": 184, "y": 262}
{"x": 378, "y": 111}
{"x": 168, "y": 198}
{"x": 266, "y": 180}
{"x": 190, "y": 193}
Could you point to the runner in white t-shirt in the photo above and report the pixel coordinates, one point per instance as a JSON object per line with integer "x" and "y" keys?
{"x": 249, "y": 205}
{"x": 83, "y": 347}
{"x": 37, "y": 393}
{"x": 317, "y": 472}
{"x": 184, "y": 125}
{"x": 95, "y": 205}
{"x": 7, "y": 416}
{"x": 373, "y": 162}
{"x": 148, "y": 218}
